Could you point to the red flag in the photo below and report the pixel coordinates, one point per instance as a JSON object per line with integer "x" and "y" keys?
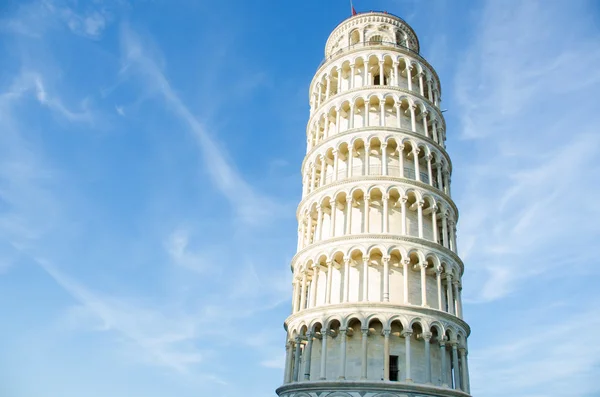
{"x": 352, "y": 8}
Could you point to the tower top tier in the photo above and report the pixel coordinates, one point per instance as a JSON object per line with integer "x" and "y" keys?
{"x": 371, "y": 29}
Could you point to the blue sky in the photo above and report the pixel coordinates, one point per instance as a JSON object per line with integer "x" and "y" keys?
{"x": 149, "y": 174}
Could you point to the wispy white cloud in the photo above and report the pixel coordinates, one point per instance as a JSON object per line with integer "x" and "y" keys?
{"x": 542, "y": 356}
{"x": 34, "y": 18}
{"x": 166, "y": 339}
{"x": 33, "y": 82}
{"x": 250, "y": 205}
{"x": 526, "y": 92}
{"x": 277, "y": 362}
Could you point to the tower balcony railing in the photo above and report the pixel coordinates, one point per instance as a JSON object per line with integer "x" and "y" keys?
{"x": 370, "y": 44}
{"x": 376, "y": 170}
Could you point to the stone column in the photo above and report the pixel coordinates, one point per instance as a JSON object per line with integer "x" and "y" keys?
{"x": 333, "y": 216}
{"x": 453, "y": 236}
{"x": 303, "y": 292}
{"x": 407, "y": 335}
{"x": 367, "y": 159}
{"x": 313, "y": 178}
{"x": 287, "y": 377}
{"x": 315, "y": 286}
{"x": 425, "y": 127}
{"x": 348, "y": 215}
{"x": 438, "y": 274}
{"x": 463, "y": 368}
{"x": 324, "y": 355}
{"x": 335, "y": 165}
{"x": 381, "y": 73}
{"x": 328, "y": 87}
{"x": 421, "y": 84}
{"x": 352, "y": 76}
{"x": 446, "y": 182}
{"x": 396, "y": 80}
{"x": 444, "y": 230}
{"x": 430, "y": 94}
{"x": 351, "y": 120}
{"x": 401, "y": 160}
{"x": 323, "y": 170}
{"x": 420, "y": 217}
{"x": 297, "y": 360}
{"x": 310, "y": 235}
{"x": 406, "y": 263}
{"x": 409, "y": 77}
{"x": 385, "y": 210}
{"x": 424, "y": 285}
{"x": 466, "y": 367}
{"x": 319, "y": 223}
{"x": 384, "y": 164}
{"x": 403, "y": 201}
{"x": 416, "y": 161}
{"x": 386, "y": 278}
{"x": 449, "y": 295}
{"x": 366, "y": 216}
{"x": 308, "y": 355}
{"x": 386, "y": 354}
{"x": 398, "y": 115}
{"x": 319, "y": 94}
{"x": 381, "y": 112}
{"x": 427, "y": 339}
{"x": 363, "y": 371}
{"x": 329, "y": 274}
{"x": 413, "y": 124}
{"x": 366, "y": 117}
{"x": 365, "y": 275}
{"x": 443, "y": 361}
{"x": 457, "y": 305}
{"x": 439, "y": 177}
{"x": 338, "y": 118}
{"x": 434, "y": 224}
{"x": 455, "y": 365}
{"x": 346, "y": 279}
{"x": 429, "y": 171}
{"x": 342, "y": 335}
{"x": 339, "y": 82}
{"x": 350, "y": 160}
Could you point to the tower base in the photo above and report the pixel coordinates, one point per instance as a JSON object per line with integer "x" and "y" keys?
{"x": 365, "y": 389}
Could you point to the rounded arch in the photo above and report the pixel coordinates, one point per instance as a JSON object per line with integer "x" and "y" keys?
{"x": 420, "y": 321}
{"x": 315, "y": 324}
{"x": 401, "y": 319}
{"x": 437, "y": 326}
{"x": 332, "y": 319}
{"x": 355, "y": 249}
{"x": 352, "y": 317}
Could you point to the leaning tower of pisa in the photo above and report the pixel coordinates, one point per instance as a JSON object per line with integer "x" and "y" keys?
{"x": 376, "y": 280}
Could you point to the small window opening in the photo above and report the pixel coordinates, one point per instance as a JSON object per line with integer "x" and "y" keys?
{"x": 393, "y": 375}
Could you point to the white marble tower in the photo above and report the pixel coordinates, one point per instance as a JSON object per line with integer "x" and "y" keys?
{"x": 377, "y": 280}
